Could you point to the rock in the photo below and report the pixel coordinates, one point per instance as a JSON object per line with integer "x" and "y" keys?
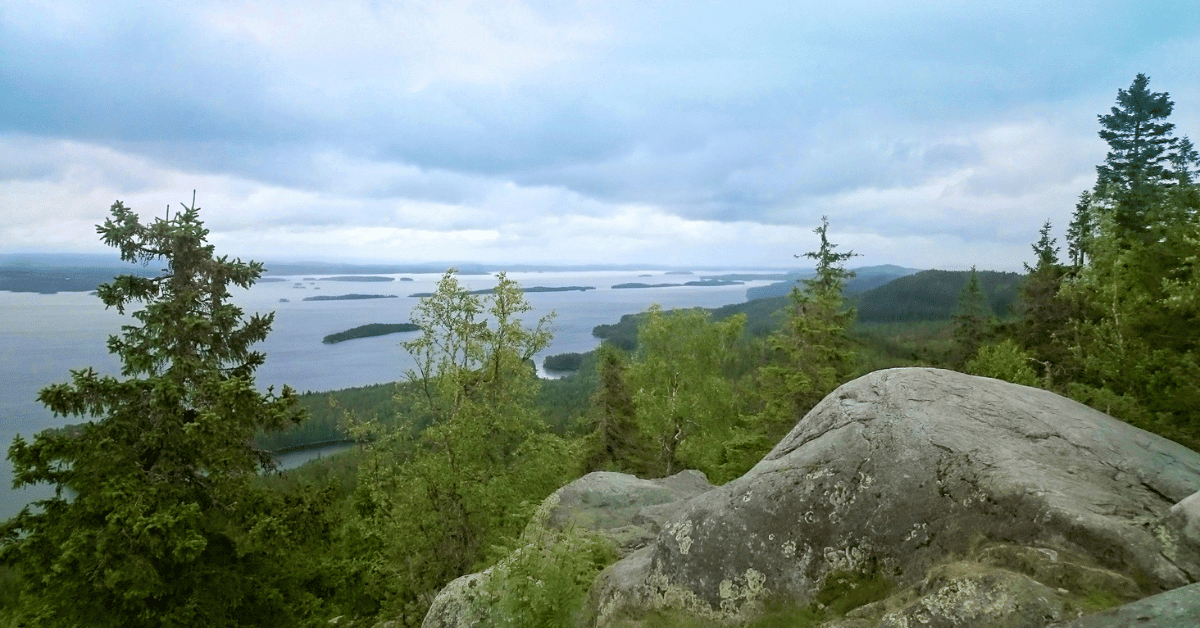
{"x": 1179, "y": 608}
{"x": 1185, "y": 517}
{"x": 927, "y": 477}
{"x": 622, "y": 508}
{"x": 626, "y": 509}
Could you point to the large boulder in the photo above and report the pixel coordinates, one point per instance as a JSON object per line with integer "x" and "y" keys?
{"x": 985, "y": 503}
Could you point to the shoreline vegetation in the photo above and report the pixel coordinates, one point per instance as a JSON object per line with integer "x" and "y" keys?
{"x": 369, "y": 330}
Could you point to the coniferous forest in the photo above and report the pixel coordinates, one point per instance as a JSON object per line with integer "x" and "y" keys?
{"x": 168, "y": 512}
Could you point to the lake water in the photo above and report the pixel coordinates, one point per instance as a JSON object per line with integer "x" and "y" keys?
{"x": 43, "y": 337}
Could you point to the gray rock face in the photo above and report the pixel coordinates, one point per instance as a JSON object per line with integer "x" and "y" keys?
{"x": 905, "y": 471}
{"x": 626, "y": 510}
{"x": 1179, "y": 608}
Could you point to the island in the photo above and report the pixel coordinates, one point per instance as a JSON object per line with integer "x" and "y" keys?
{"x": 698, "y": 282}
{"x": 362, "y": 278}
{"x": 421, "y": 295}
{"x": 367, "y": 331}
{"x": 350, "y": 297}
{"x": 563, "y": 362}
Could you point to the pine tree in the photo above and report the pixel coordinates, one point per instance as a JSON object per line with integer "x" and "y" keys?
{"x": 156, "y": 518}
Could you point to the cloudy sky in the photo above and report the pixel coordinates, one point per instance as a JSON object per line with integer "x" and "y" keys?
{"x": 934, "y": 134}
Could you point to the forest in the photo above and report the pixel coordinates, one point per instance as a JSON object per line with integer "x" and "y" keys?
{"x": 168, "y": 512}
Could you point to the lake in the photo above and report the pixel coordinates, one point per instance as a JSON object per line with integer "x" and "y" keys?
{"x": 44, "y": 336}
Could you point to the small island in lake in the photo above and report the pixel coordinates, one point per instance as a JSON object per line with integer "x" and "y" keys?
{"x": 364, "y": 278}
{"x": 350, "y": 297}
{"x": 421, "y": 295}
{"x": 367, "y": 331}
{"x": 698, "y": 282}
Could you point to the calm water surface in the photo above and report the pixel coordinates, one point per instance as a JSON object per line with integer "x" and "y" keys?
{"x": 43, "y": 337}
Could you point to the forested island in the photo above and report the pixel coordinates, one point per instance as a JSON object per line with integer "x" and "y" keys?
{"x": 698, "y": 282}
{"x": 369, "y": 330}
{"x": 533, "y": 289}
{"x": 358, "y": 278}
{"x": 350, "y": 297}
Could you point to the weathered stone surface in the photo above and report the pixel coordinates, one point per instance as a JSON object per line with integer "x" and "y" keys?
{"x": 967, "y": 594}
{"x": 907, "y": 469}
{"x": 626, "y": 510}
{"x": 1179, "y": 608}
{"x": 1185, "y": 517}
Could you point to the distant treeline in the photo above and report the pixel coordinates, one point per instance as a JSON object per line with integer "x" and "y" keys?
{"x": 64, "y": 278}
{"x": 369, "y": 330}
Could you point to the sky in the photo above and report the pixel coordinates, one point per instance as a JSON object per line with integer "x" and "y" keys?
{"x": 933, "y": 134}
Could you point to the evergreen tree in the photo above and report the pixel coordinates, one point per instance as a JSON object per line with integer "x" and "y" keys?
{"x": 973, "y": 321}
{"x": 1045, "y": 318}
{"x": 1080, "y": 231}
{"x": 812, "y": 353}
{"x": 615, "y": 440}
{"x": 156, "y": 518}
{"x": 1140, "y": 156}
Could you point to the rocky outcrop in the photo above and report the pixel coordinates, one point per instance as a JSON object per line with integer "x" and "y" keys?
{"x": 625, "y": 510}
{"x": 1179, "y": 608}
{"x": 985, "y": 503}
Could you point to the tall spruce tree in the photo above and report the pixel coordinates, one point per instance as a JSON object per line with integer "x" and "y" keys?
{"x": 156, "y": 518}
{"x": 812, "y": 353}
{"x": 1141, "y": 153}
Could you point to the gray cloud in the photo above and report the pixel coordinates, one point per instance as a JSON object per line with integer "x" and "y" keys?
{"x": 900, "y": 119}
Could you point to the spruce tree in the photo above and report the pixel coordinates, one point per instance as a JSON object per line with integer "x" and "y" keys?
{"x": 972, "y": 322}
{"x": 156, "y": 518}
{"x": 1141, "y": 154}
{"x": 812, "y": 353}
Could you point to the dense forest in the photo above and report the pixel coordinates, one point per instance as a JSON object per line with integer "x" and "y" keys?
{"x": 167, "y": 513}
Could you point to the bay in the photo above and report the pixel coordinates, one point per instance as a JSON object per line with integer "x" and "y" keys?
{"x": 44, "y": 336}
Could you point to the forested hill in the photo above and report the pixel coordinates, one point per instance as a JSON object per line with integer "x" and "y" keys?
{"x": 929, "y": 295}
{"x": 933, "y": 295}
{"x": 865, "y": 278}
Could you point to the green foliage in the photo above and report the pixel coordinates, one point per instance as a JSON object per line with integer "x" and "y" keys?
{"x": 429, "y": 505}
{"x": 615, "y": 441}
{"x": 1142, "y": 158}
{"x": 973, "y": 321}
{"x": 1138, "y": 335}
{"x": 157, "y": 519}
{"x": 812, "y": 353}
{"x": 544, "y": 583}
{"x": 684, "y": 405}
{"x": 933, "y": 295}
{"x": 1005, "y": 360}
{"x": 563, "y": 362}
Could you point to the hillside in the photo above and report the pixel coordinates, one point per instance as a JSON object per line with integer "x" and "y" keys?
{"x": 933, "y": 295}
